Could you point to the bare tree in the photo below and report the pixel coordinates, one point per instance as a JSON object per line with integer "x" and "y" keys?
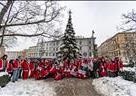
{"x": 129, "y": 25}
{"x": 28, "y": 18}
{"x": 129, "y": 21}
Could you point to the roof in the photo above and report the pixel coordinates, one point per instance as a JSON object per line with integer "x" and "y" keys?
{"x": 116, "y": 35}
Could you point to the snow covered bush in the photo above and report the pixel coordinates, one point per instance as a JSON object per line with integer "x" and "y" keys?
{"x": 128, "y": 74}
{"x": 4, "y": 79}
{"x": 108, "y": 86}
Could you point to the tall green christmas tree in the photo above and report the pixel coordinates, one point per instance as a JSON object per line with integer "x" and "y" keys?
{"x": 69, "y": 50}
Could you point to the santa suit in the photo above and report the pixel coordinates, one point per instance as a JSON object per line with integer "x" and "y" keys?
{"x": 42, "y": 70}
{"x": 1, "y": 65}
{"x": 73, "y": 72}
{"x": 31, "y": 66}
{"x": 67, "y": 72}
{"x": 37, "y": 74}
{"x": 9, "y": 68}
{"x": 81, "y": 74}
{"x": 66, "y": 63}
{"x": 15, "y": 70}
{"x": 58, "y": 76}
{"x": 25, "y": 68}
{"x": 53, "y": 70}
{"x": 112, "y": 69}
{"x": 15, "y": 65}
{"x": 44, "y": 73}
{"x": 48, "y": 65}
{"x": 103, "y": 71}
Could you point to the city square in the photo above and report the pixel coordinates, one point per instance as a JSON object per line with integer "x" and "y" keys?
{"x": 67, "y": 48}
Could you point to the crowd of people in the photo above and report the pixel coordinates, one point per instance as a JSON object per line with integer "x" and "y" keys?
{"x": 52, "y": 68}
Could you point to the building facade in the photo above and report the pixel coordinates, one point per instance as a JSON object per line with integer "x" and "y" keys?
{"x": 2, "y": 51}
{"x": 119, "y": 45}
{"x": 49, "y": 49}
{"x": 13, "y": 54}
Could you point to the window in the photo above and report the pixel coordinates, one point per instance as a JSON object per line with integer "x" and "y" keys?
{"x": 57, "y": 49}
{"x": 80, "y": 42}
{"x": 90, "y": 47}
{"x": 89, "y": 42}
{"x": 53, "y": 49}
{"x": 53, "y": 54}
{"x": 46, "y": 53}
{"x": 49, "y": 54}
{"x": 80, "y": 48}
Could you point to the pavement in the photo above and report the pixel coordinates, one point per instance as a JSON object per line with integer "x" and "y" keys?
{"x": 73, "y": 87}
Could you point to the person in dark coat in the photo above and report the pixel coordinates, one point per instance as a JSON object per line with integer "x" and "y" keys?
{"x": 96, "y": 66}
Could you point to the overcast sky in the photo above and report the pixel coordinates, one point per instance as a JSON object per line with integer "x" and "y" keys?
{"x": 101, "y": 16}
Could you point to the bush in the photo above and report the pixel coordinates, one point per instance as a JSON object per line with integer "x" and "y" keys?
{"x": 4, "y": 80}
{"x": 128, "y": 75}
{"x": 129, "y": 65}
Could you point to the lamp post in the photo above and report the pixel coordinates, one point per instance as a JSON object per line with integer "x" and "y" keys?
{"x": 41, "y": 48}
{"x": 92, "y": 41}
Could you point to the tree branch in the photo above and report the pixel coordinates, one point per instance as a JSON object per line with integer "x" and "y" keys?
{"x": 34, "y": 22}
{"x": 2, "y": 4}
{"x": 23, "y": 35}
{"x": 4, "y": 10}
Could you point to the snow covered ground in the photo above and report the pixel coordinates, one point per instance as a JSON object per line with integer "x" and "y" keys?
{"x": 114, "y": 86}
{"x": 3, "y": 73}
{"x": 28, "y": 87}
{"x": 129, "y": 69}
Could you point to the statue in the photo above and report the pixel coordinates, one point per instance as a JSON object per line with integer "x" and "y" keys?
{"x": 93, "y": 33}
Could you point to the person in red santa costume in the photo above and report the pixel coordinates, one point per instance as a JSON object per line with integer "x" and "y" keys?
{"x": 82, "y": 70}
{"x": 103, "y": 71}
{"x": 111, "y": 68}
{"x": 32, "y": 69}
{"x": 3, "y": 63}
{"x": 44, "y": 68}
{"x": 48, "y": 65}
{"x": 74, "y": 68}
{"x": 38, "y": 70}
{"x": 10, "y": 68}
{"x": 25, "y": 68}
{"x": 81, "y": 74}
{"x": 15, "y": 70}
{"x": 58, "y": 75}
{"x": 103, "y": 67}
{"x": 53, "y": 69}
{"x": 118, "y": 65}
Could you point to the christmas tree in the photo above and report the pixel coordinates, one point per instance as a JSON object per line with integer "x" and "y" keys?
{"x": 69, "y": 50}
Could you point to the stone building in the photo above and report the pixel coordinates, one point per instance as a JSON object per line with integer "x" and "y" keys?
{"x": 50, "y": 48}
{"x": 122, "y": 44}
{"x": 2, "y": 51}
